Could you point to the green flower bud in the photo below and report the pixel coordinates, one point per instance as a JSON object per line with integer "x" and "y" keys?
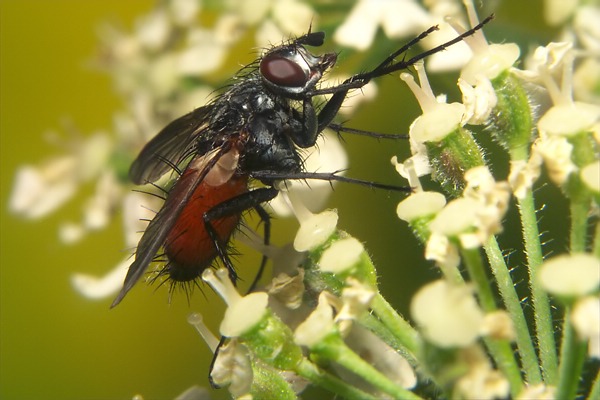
{"x": 263, "y": 333}
{"x": 456, "y": 153}
{"x": 511, "y": 121}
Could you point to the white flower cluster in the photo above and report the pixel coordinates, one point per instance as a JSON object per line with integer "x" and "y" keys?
{"x": 564, "y": 120}
{"x": 39, "y": 191}
{"x": 566, "y": 142}
{"x": 468, "y": 221}
{"x": 267, "y": 331}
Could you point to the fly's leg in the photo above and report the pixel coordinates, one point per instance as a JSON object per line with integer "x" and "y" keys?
{"x": 231, "y": 207}
{"x": 266, "y": 219}
{"x": 325, "y": 176}
{"x": 339, "y": 128}
{"x": 305, "y": 135}
{"x": 213, "y": 384}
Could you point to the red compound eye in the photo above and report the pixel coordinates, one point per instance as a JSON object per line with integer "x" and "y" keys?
{"x": 282, "y": 71}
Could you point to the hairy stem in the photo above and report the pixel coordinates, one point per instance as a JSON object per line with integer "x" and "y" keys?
{"x": 510, "y": 298}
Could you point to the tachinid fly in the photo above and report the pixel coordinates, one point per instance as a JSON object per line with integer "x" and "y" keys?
{"x": 249, "y": 132}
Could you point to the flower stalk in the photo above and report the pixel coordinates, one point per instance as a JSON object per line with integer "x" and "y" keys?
{"x": 333, "y": 348}
{"x": 513, "y": 127}
{"x": 404, "y": 333}
{"x": 511, "y": 301}
{"x": 539, "y": 298}
{"x": 318, "y": 377}
{"x": 573, "y": 354}
{"x": 595, "y": 391}
{"x": 501, "y": 350}
{"x": 584, "y": 153}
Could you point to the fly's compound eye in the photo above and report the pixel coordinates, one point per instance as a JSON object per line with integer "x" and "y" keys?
{"x": 284, "y": 70}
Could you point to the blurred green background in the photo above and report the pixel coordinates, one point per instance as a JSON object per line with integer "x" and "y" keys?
{"x": 54, "y": 344}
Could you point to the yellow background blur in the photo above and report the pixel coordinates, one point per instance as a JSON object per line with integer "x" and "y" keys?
{"x": 54, "y": 344}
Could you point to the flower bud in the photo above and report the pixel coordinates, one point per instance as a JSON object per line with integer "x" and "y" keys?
{"x": 451, "y": 149}
{"x": 347, "y": 258}
{"x": 448, "y": 315}
{"x": 317, "y": 326}
{"x": 266, "y": 336}
{"x": 419, "y": 209}
{"x": 590, "y": 175}
{"x": 250, "y": 319}
{"x": 570, "y": 275}
{"x": 586, "y": 321}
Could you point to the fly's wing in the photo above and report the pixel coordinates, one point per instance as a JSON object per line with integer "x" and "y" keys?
{"x": 160, "y": 226}
{"x": 169, "y": 146}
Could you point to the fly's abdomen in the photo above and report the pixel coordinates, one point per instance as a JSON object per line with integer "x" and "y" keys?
{"x": 189, "y": 249}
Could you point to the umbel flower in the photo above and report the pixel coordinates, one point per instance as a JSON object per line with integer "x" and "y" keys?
{"x": 321, "y": 318}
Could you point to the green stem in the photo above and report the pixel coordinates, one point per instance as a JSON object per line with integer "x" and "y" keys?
{"x": 501, "y": 350}
{"x": 372, "y": 323}
{"x": 503, "y": 354}
{"x": 334, "y": 348}
{"x": 452, "y": 275}
{"x": 572, "y": 357}
{"x": 595, "y": 392}
{"x": 474, "y": 264}
{"x": 420, "y": 228}
{"x": 506, "y": 287}
{"x": 579, "y": 218}
{"x": 311, "y": 372}
{"x": 398, "y": 326}
{"x": 539, "y": 298}
{"x": 585, "y": 149}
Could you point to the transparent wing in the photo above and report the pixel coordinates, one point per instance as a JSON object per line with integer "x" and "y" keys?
{"x": 169, "y": 146}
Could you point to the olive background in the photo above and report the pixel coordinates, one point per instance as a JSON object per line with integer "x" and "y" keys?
{"x": 54, "y": 344}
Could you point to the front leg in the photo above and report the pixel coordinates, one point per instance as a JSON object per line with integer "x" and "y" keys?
{"x": 333, "y": 105}
{"x": 304, "y": 134}
{"x": 331, "y": 108}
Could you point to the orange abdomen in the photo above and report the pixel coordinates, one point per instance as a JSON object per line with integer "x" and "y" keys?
{"x": 188, "y": 246}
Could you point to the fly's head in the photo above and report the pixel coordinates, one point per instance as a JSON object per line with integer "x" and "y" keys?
{"x": 291, "y": 70}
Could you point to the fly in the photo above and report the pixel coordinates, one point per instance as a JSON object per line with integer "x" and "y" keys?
{"x": 250, "y": 132}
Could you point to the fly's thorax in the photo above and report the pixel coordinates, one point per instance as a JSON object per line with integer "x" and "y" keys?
{"x": 269, "y": 146}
